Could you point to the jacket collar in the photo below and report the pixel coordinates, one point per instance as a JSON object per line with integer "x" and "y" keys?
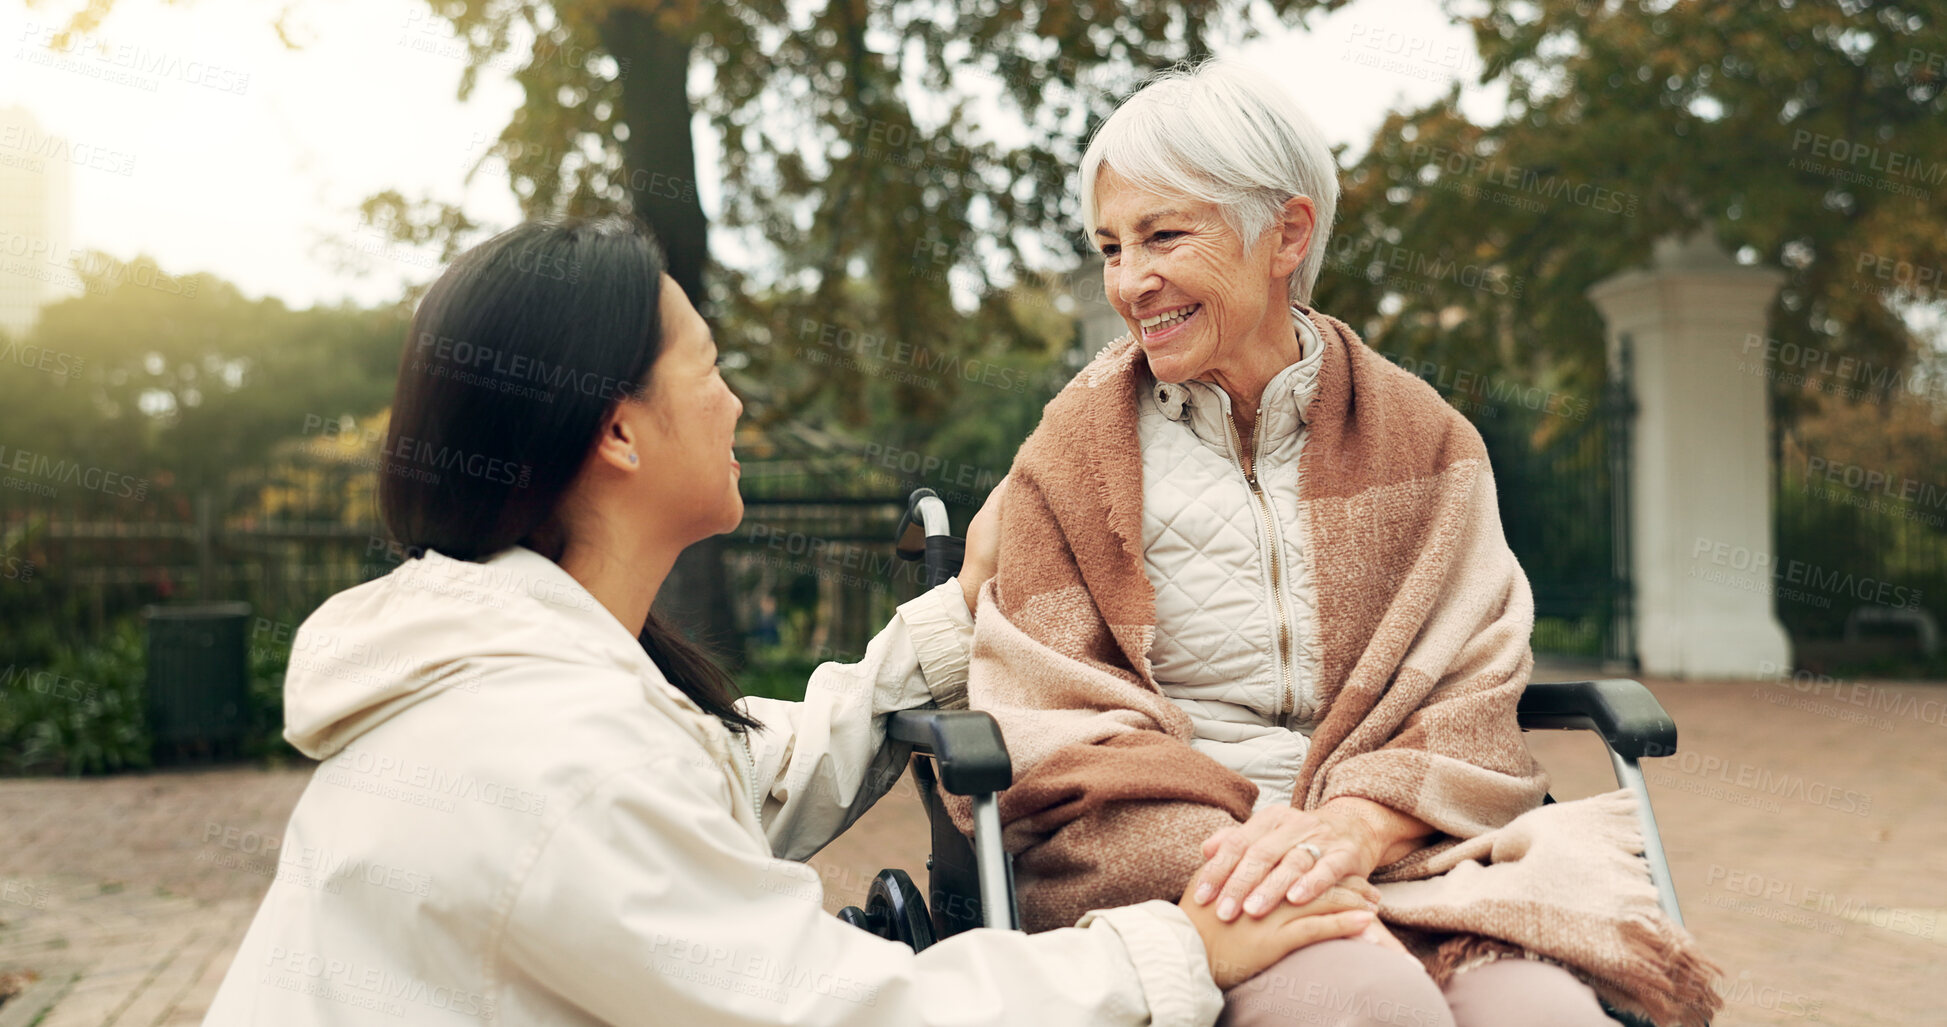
{"x": 583, "y": 617}
{"x": 595, "y": 631}
{"x": 1206, "y": 408}
{"x": 548, "y": 582}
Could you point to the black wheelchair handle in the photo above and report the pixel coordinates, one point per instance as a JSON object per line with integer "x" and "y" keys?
{"x": 926, "y": 532}
{"x": 1629, "y": 718}
{"x": 909, "y": 540}
{"x": 967, "y": 744}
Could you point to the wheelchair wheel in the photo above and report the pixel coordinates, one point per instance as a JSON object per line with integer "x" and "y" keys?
{"x": 895, "y": 909}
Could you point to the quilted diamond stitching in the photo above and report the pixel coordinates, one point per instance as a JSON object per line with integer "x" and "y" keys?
{"x": 1215, "y": 640}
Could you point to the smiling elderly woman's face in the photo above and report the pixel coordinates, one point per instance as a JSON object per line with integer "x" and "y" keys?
{"x": 1193, "y": 296}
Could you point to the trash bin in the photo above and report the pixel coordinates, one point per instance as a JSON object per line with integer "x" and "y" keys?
{"x": 198, "y": 703}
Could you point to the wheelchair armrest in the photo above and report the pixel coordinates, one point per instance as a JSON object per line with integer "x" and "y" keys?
{"x": 1630, "y": 719}
{"x": 966, "y": 743}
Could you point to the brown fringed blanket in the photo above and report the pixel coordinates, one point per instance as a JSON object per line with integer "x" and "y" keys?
{"x": 1423, "y": 625}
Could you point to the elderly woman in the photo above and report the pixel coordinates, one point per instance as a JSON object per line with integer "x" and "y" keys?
{"x": 1256, "y": 627}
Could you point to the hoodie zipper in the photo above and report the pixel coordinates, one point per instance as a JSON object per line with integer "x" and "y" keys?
{"x": 742, "y": 744}
{"x": 1286, "y": 697}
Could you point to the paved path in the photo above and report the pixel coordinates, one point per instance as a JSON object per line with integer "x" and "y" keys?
{"x": 1808, "y": 848}
{"x": 1807, "y": 829}
{"x": 129, "y": 894}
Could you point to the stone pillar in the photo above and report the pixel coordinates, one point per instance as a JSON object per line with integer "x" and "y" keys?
{"x": 1700, "y": 477}
{"x": 1098, "y": 323}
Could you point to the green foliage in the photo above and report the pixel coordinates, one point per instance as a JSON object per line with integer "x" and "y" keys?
{"x": 1632, "y": 120}
{"x": 81, "y": 709}
{"x": 775, "y": 674}
{"x": 1842, "y": 552}
{"x": 30, "y": 606}
{"x": 268, "y": 661}
{"x": 172, "y": 391}
{"x": 858, "y": 158}
{"x": 81, "y": 713}
{"x": 181, "y": 386}
{"x": 1560, "y": 636}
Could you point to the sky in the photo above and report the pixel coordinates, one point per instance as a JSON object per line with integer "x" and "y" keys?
{"x": 227, "y": 152}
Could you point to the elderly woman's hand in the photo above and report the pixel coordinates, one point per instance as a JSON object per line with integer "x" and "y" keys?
{"x": 1294, "y": 854}
{"x": 983, "y": 547}
{"x": 1278, "y": 853}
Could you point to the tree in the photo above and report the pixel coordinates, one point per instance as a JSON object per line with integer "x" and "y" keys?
{"x": 184, "y": 376}
{"x": 1809, "y": 137}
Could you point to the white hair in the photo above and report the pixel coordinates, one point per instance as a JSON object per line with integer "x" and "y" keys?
{"x": 1225, "y": 134}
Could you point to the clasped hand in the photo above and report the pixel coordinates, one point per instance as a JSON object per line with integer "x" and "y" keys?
{"x": 1283, "y": 854}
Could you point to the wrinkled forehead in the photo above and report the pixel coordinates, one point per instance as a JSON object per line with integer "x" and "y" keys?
{"x": 1125, "y": 205}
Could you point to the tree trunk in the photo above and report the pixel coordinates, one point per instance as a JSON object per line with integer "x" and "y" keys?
{"x": 659, "y": 156}
{"x": 660, "y": 160}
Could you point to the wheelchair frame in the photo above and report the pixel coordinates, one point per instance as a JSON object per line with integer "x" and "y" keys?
{"x": 971, "y": 759}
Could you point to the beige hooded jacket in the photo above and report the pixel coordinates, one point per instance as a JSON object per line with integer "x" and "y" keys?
{"x": 518, "y": 820}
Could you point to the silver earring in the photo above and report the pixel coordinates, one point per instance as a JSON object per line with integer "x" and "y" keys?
{"x": 632, "y": 458}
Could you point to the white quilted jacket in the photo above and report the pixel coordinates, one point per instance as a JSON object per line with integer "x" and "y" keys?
{"x": 1235, "y": 606}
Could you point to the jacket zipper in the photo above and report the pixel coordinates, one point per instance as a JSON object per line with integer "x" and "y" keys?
{"x": 742, "y": 744}
{"x": 1286, "y": 696}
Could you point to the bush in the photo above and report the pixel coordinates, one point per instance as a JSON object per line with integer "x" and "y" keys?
{"x": 268, "y": 662}
{"x": 82, "y": 709}
{"x": 81, "y": 712}
{"x": 774, "y": 674}
{"x": 1560, "y": 636}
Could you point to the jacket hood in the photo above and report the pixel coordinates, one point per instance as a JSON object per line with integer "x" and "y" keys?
{"x": 433, "y": 624}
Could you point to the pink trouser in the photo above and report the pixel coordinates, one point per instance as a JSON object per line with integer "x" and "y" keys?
{"x": 1351, "y": 983}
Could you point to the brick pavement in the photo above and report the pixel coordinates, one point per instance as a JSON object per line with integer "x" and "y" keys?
{"x": 1808, "y": 848}
{"x": 129, "y": 894}
{"x": 1805, "y": 831}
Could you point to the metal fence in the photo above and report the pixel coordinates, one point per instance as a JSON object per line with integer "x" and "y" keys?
{"x": 281, "y": 539}
{"x": 1862, "y": 563}
{"x": 1561, "y": 478}
{"x": 811, "y": 565}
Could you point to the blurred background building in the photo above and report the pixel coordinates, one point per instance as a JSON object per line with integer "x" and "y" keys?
{"x": 35, "y": 215}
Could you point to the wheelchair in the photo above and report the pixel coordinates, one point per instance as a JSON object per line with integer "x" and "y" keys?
{"x": 962, "y": 752}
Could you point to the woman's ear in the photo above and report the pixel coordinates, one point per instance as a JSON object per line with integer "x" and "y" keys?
{"x": 620, "y": 445}
{"x": 1296, "y": 226}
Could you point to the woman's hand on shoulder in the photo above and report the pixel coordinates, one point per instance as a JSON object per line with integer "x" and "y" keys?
{"x": 1282, "y": 855}
{"x": 983, "y": 546}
